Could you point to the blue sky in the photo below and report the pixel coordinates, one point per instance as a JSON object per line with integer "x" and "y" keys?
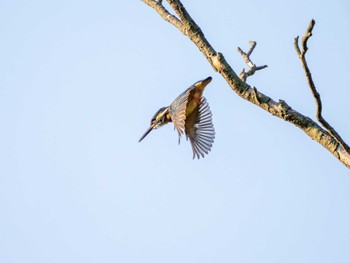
{"x": 80, "y": 81}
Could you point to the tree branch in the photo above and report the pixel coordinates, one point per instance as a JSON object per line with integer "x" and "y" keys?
{"x": 252, "y": 67}
{"x": 301, "y": 53}
{"x": 279, "y": 109}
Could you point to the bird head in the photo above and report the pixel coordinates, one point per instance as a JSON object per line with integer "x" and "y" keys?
{"x": 160, "y": 118}
{"x": 203, "y": 83}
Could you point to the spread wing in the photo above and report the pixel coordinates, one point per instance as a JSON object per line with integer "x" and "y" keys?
{"x": 200, "y": 129}
{"x": 177, "y": 111}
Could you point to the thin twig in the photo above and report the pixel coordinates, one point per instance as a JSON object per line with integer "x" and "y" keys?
{"x": 301, "y": 53}
{"x": 246, "y": 57}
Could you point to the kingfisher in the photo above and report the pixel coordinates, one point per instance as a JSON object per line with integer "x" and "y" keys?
{"x": 190, "y": 113}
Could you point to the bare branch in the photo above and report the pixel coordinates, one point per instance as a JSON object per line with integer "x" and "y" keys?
{"x": 252, "y": 47}
{"x": 301, "y": 53}
{"x": 252, "y": 67}
{"x": 217, "y": 60}
{"x": 296, "y": 46}
{"x": 306, "y": 37}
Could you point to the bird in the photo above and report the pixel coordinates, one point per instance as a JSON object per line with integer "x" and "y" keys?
{"x": 190, "y": 113}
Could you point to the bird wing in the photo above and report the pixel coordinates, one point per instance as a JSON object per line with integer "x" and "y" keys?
{"x": 200, "y": 129}
{"x": 177, "y": 111}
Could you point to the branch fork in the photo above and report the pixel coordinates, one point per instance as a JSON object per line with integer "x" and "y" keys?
{"x": 246, "y": 57}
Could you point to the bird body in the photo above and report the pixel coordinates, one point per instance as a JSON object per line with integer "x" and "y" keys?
{"x": 191, "y": 114}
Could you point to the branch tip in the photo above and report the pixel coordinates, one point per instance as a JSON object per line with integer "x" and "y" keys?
{"x": 252, "y": 47}
{"x": 296, "y": 46}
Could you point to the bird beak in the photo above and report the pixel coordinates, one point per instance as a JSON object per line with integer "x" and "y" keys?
{"x": 146, "y": 133}
{"x": 203, "y": 83}
{"x": 206, "y": 81}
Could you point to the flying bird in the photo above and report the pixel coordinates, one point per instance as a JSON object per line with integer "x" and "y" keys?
{"x": 190, "y": 113}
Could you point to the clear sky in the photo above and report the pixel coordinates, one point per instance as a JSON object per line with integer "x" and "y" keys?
{"x": 80, "y": 81}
